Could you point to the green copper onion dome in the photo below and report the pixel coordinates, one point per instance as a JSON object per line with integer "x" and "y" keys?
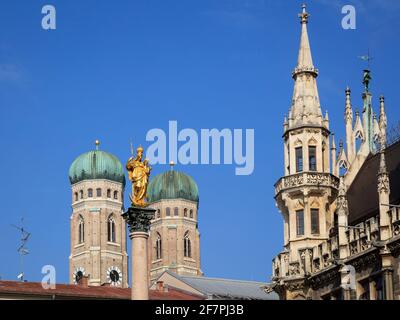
{"x": 96, "y": 164}
{"x": 172, "y": 185}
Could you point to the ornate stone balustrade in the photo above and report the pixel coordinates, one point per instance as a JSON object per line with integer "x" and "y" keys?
{"x": 316, "y": 179}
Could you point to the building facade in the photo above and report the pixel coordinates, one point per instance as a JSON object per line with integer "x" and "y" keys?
{"x": 340, "y": 207}
{"x": 174, "y": 242}
{"x": 98, "y": 231}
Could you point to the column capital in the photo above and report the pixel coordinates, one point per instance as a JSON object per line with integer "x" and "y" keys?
{"x": 138, "y": 219}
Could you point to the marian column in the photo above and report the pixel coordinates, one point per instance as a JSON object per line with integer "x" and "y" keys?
{"x": 138, "y": 218}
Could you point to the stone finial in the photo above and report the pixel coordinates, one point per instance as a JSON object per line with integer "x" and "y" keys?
{"x": 333, "y": 142}
{"x": 304, "y": 15}
{"x": 348, "y": 114}
{"x": 382, "y": 121}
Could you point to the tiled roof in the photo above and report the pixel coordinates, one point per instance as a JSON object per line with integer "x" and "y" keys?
{"x": 68, "y": 291}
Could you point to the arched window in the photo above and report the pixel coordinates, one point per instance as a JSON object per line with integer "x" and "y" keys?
{"x": 158, "y": 214}
{"x": 168, "y": 212}
{"x": 191, "y": 214}
{"x": 187, "y": 248}
{"x": 185, "y": 212}
{"x": 81, "y": 194}
{"x": 176, "y": 212}
{"x": 90, "y": 193}
{"x": 116, "y": 195}
{"x": 111, "y": 229}
{"x": 98, "y": 192}
{"x": 108, "y": 193}
{"x": 158, "y": 247}
{"x": 76, "y": 196}
{"x": 81, "y": 230}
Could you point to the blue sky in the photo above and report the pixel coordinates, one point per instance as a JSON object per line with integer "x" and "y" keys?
{"x": 115, "y": 69}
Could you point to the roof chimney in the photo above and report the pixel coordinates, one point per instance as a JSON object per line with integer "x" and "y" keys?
{"x": 84, "y": 282}
{"x": 161, "y": 287}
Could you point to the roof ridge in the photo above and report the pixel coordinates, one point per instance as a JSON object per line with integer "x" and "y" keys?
{"x": 222, "y": 279}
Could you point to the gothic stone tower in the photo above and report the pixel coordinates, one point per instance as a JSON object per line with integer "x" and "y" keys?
{"x": 98, "y": 232}
{"x": 174, "y": 242}
{"x": 305, "y": 194}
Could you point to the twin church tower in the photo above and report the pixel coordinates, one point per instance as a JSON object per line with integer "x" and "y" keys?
{"x": 98, "y": 231}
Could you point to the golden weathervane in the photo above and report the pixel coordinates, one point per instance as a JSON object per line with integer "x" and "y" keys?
{"x": 139, "y": 174}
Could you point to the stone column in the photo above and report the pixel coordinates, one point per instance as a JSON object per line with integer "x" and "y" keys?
{"x": 138, "y": 220}
{"x": 388, "y": 283}
{"x": 372, "y": 290}
{"x": 387, "y": 274}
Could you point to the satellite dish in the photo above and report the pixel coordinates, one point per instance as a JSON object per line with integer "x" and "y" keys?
{"x": 20, "y": 276}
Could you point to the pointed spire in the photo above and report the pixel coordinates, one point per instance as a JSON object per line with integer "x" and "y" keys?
{"x": 348, "y": 114}
{"x": 376, "y": 129}
{"x": 382, "y": 163}
{"x": 306, "y": 107}
{"x": 333, "y": 142}
{"x": 358, "y": 127}
{"x": 304, "y": 59}
{"x": 382, "y": 121}
{"x": 333, "y": 157}
{"x": 326, "y": 120}
{"x": 342, "y": 159}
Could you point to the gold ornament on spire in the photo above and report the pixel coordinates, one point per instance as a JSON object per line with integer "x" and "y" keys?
{"x": 139, "y": 174}
{"x": 97, "y": 143}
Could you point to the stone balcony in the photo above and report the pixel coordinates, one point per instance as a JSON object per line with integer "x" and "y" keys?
{"x": 306, "y": 179}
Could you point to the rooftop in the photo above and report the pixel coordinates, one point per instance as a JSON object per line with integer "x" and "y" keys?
{"x": 34, "y": 290}
{"x": 227, "y": 288}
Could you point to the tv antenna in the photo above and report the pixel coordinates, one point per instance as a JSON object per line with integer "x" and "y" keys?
{"x": 22, "y": 249}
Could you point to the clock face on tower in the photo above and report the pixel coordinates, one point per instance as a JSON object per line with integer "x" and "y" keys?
{"x": 114, "y": 276}
{"x": 78, "y": 274}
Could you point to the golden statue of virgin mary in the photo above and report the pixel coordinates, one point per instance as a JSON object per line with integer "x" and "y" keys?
{"x": 139, "y": 174}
